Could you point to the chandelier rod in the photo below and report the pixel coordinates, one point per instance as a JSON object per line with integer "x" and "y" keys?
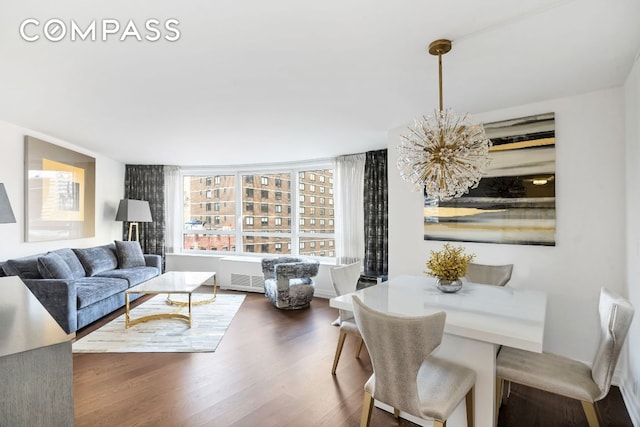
{"x": 439, "y": 48}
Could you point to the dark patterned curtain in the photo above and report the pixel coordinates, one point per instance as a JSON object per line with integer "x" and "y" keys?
{"x": 146, "y": 182}
{"x": 376, "y": 228}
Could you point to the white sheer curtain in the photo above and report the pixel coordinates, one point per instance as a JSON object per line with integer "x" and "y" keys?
{"x": 172, "y": 209}
{"x": 349, "y": 207}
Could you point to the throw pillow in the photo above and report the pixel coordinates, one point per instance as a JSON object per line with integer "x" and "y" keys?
{"x": 97, "y": 259}
{"x": 129, "y": 254}
{"x": 52, "y": 266}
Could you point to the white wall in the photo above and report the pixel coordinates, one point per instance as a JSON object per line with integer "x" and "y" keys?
{"x": 109, "y": 190}
{"x": 631, "y": 391}
{"x": 590, "y": 220}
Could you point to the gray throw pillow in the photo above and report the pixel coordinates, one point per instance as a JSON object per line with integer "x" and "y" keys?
{"x": 97, "y": 259}
{"x": 52, "y": 266}
{"x": 129, "y": 254}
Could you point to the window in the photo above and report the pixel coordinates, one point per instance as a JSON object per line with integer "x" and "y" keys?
{"x": 207, "y": 181}
{"x": 321, "y": 190}
{"x": 231, "y": 218}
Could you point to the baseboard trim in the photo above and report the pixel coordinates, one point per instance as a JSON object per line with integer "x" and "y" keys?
{"x": 631, "y": 402}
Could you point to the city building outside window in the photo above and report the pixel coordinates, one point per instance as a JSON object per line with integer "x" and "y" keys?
{"x": 291, "y": 230}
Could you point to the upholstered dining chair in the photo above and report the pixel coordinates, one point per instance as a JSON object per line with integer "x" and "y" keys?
{"x": 345, "y": 279}
{"x": 485, "y": 274}
{"x": 567, "y": 377}
{"x": 405, "y": 373}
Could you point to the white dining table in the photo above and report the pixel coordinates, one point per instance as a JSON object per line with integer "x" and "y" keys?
{"x": 480, "y": 319}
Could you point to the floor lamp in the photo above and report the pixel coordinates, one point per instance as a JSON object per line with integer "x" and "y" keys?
{"x": 133, "y": 211}
{"x": 6, "y": 213}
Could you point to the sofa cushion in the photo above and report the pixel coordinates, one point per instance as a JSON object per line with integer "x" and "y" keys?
{"x": 52, "y": 266}
{"x": 97, "y": 259}
{"x": 129, "y": 254}
{"x": 134, "y": 275}
{"x": 25, "y": 267}
{"x": 94, "y": 289}
{"x": 72, "y": 261}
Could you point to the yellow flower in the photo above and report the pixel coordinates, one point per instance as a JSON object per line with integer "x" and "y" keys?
{"x": 449, "y": 264}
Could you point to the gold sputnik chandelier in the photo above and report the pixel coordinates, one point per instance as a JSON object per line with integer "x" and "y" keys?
{"x": 444, "y": 154}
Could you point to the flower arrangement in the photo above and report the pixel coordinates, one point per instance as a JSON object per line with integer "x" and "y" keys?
{"x": 449, "y": 263}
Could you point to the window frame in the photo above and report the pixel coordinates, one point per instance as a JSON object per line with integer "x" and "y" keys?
{"x": 293, "y": 201}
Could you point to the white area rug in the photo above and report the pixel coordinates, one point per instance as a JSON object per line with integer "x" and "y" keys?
{"x": 210, "y": 322}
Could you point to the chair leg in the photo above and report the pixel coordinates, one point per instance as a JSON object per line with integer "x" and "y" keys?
{"x": 396, "y": 413}
{"x": 506, "y": 391}
{"x": 591, "y": 411}
{"x": 367, "y": 407}
{"x": 499, "y": 385}
{"x": 343, "y": 336}
{"x": 470, "y": 406}
{"x": 359, "y": 348}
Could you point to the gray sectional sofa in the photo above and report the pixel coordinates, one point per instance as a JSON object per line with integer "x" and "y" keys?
{"x": 79, "y": 286}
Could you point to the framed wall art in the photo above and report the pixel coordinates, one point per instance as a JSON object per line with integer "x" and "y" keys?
{"x": 60, "y": 192}
{"x": 515, "y": 202}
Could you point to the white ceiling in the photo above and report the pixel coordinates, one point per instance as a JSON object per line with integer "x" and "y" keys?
{"x": 254, "y": 81}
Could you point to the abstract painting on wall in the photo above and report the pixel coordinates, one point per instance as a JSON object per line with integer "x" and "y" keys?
{"x": 60, "y": 192}
{"x": 514, "y": 202}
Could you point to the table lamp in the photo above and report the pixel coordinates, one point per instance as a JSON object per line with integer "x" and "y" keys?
{"x": 6, "y": 213}
{"x": 134, "y": 211}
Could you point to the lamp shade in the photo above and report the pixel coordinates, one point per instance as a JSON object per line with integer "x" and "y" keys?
{"x": 133, "y": 211}
{"x": 6, "y": 213}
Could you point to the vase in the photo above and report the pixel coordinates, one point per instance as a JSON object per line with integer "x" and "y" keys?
{"x": 449, "y": 286}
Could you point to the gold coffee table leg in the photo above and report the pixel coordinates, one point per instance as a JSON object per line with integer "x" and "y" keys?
{"x": 201, "y": 302}
{"x": 126, "y": 317}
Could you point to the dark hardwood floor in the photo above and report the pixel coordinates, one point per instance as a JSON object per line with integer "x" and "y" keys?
{"x": 272, "y": 368}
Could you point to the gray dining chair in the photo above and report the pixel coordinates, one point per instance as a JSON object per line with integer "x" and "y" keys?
{"x": 567, "y": 377}
{"x": 498, "y": 275}
{"x": 405, "y": 373}
{"x": 345, "y": 280}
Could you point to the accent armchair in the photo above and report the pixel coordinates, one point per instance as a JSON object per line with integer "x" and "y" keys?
{"x": 288, "y": 281}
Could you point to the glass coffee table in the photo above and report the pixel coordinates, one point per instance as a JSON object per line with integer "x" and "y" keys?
{"x": 172, "y": 282}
